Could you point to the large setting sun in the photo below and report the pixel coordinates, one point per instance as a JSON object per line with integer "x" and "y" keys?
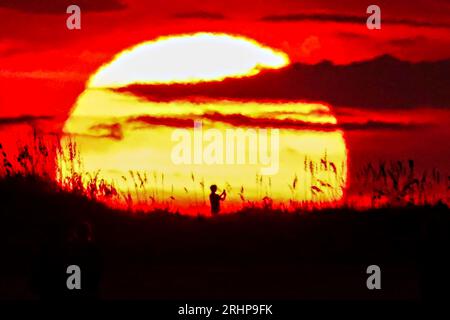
{"x": 131, "y": 142}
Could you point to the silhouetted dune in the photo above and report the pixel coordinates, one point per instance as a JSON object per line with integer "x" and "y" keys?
{"x": 253, "y": 253}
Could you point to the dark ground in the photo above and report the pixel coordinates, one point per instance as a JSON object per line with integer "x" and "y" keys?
{"x": 249, "y": 255}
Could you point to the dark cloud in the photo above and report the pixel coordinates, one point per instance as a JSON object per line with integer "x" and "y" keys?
{"x": 405, "y": 42}
{"x": 352, "y": 35}
{"x": 92, "y": 135}
{"x": 60, "y": 6}
{"x": 199, "y": 15}
{"x": 26, "y": 119}
{"x": 417, "y": 23}
{"x": 10, "y": 52}
{"x": 113, "y": 131}
{"x": 294, "y": 17}
{"x": 239, "y": 120}
{"x": 381, "y": 125}
{"x": 162, "y": 121}
{"x": 338, "y": 18}
{"x": 384, "y": 82}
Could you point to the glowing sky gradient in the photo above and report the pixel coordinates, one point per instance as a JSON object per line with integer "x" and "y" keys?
{"x": 398, "y": 111}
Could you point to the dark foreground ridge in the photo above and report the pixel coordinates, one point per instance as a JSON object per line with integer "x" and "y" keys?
{"x": 252, "y": 254}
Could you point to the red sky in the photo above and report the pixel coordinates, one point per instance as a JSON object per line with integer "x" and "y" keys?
{"x": 39, "y": 53}
{"x": 44, "y": 66}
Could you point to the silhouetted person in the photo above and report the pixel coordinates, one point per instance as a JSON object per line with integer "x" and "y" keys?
{"x": 215, "y": 199}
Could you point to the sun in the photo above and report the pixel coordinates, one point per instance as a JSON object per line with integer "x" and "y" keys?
{"x": 243, "y": 146}
{"x": 188, "y": 58}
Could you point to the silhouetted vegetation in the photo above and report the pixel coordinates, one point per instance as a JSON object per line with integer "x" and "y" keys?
{"x": 256, "y": 252}
{"x": 383, "y": 184}
{"x": 253, "y": 253}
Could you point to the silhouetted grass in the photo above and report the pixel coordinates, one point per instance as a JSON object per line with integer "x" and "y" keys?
{"x": 384, "y": 184}
{"x": 253, "y": 253}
